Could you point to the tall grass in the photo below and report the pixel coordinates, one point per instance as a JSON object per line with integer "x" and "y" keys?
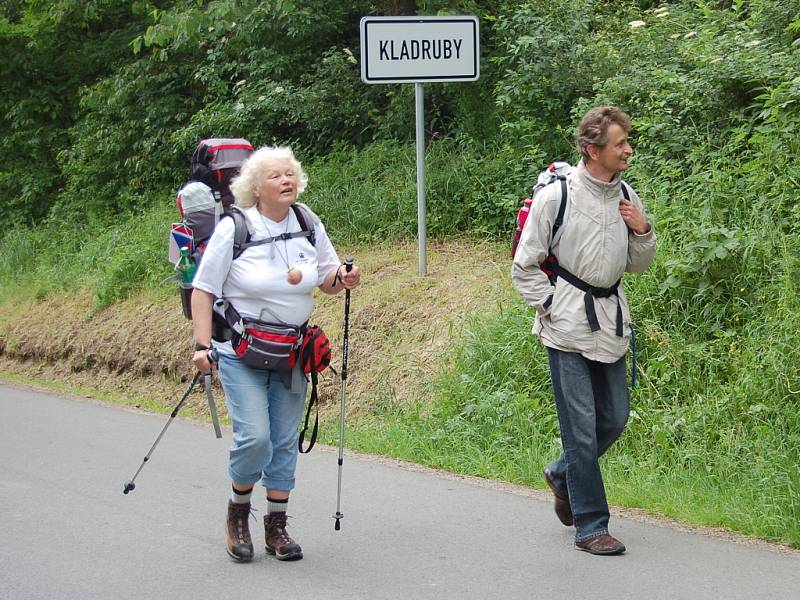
{"x": 111, "y": 259}
{"x": 361, "y": 195}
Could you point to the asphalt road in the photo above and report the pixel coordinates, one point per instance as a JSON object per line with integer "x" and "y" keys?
{"x": 68, "y": 531}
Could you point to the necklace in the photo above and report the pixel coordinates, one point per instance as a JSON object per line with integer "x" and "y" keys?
{"x": 293, "y": 274}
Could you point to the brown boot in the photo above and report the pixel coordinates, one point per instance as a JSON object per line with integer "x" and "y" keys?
{"x": 563, "y": 509}
{"x": 239, "y": 542}
{"x": 278, "y": 541}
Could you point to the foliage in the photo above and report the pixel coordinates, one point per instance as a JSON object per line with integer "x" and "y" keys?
{"x": 50, "y": 51}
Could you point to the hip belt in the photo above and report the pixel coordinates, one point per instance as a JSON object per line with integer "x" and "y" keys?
{"x": 592, "y": 292}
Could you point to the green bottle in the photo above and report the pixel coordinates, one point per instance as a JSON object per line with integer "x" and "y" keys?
{"x": 186, "y": 267}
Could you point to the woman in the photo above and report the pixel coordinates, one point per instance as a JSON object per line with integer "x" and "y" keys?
{"x": 273, "y": 282}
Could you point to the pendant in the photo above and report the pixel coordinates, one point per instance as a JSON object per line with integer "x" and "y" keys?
{"x": 294, "y": 275}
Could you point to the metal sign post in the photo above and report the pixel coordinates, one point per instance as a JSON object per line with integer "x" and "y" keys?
{"x": 419, "y": 102}
{"x": 417, "y": 50}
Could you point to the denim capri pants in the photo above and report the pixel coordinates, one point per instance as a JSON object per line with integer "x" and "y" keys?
{"x": 265, "y": 416}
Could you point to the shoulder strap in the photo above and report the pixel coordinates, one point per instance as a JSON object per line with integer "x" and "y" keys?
{"x": 304, "y": 216}
{"x": 563, "y": 199}
{"x": 241, "y": 233}
{"x": 626, "y": 192}
{"x": 562, "y": 205}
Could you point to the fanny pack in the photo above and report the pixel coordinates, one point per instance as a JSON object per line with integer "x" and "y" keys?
{"x": 261, "y": 344}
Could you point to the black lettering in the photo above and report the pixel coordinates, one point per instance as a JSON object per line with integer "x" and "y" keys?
{"x": 414, "y": 49}
{"x": 437, "y": 49}
{"x": 426, "y": 49}
{"x": 384, "y": 53}
{"x": 393, "y": 55}
{"x": 447, "y": 50}
{"x": 458, "y": 48}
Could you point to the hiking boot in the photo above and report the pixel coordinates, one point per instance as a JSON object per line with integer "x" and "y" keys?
{"x": 239, "y": 543}
{"x": 279, "y": 543}
{"x": 602, "y": 544}
{"x": 562, "y": 507}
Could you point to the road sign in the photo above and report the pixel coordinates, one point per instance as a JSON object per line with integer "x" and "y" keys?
{"x": 419, "y": 49}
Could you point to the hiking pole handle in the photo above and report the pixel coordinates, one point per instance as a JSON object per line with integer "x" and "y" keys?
{"x": 348, "y": 266}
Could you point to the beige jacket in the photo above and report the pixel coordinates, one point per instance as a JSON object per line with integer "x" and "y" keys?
{"x": 595, "y": 246}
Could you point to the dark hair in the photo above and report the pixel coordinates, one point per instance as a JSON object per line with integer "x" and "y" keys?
{"x": 594, "y": 127}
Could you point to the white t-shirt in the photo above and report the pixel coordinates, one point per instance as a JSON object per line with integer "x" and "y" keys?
{"x": 256, "y": 283}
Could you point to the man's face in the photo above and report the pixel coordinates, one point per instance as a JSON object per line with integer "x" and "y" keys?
{"x": 613, "y": 157}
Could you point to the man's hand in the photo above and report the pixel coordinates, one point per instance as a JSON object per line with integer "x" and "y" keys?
{"x": 633, "y": 217}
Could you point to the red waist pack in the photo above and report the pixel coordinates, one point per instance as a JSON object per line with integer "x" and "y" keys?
{"x": 315, "y": 350}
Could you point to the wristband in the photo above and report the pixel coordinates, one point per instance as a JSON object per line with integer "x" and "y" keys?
{"x": 198, "y": 347}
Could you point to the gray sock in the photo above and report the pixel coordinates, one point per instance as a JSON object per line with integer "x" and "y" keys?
{"x": 238, "y": 497}
{"x": 274, "y": 505}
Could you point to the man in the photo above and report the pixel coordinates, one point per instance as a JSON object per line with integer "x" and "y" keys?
{"x": 583, "y": 320}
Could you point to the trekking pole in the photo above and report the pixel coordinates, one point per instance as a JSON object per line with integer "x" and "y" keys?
{"x": 348, "y": 266}
{"x": 129, "y": 485}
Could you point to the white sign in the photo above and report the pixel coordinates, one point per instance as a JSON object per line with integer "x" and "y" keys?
{"x": 419, "y": 49}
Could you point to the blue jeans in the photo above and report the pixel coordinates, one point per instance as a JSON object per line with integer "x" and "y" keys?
{"x": 593, "y": 405}
{"x": 265, "y": 417}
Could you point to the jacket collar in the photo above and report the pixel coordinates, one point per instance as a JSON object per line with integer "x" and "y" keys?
{"x": 597, "y": 186}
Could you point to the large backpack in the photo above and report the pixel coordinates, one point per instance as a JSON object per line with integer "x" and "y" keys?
{"x": 216, "y": 161}
{"x": 207, "y": 198}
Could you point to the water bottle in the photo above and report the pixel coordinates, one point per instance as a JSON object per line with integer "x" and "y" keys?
{"x": 186, "y": 267}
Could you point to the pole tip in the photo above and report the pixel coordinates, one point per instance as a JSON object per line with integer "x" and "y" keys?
{"x": 129, "y": 486}
{"x": 337, "y": 526}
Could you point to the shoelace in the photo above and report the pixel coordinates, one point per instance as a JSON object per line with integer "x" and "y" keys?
{"x": 278, "y": 526}
{"x": 241, "y": 520}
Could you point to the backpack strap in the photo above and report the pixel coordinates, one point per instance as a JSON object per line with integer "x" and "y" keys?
{"x": 590, "y": 293}
{"x": 562, "y": 209}
{"x": 626, "y": 191}
{"x": 308, "y": 220}
{"x": 241, "y": 232}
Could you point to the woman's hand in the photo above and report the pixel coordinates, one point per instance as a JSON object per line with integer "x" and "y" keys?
{"x": 202, "y": 362}
{"x": 349, "y": 279}
{"x": 339, "y": 279}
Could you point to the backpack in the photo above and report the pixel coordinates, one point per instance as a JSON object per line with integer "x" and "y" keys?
{"x": 207, "y": 196}
{"x": 216, "y": 161}
{"x": 555, "y": 172}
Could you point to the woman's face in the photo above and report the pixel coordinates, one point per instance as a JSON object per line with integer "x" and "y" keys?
{"x": 277, "y": 183}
